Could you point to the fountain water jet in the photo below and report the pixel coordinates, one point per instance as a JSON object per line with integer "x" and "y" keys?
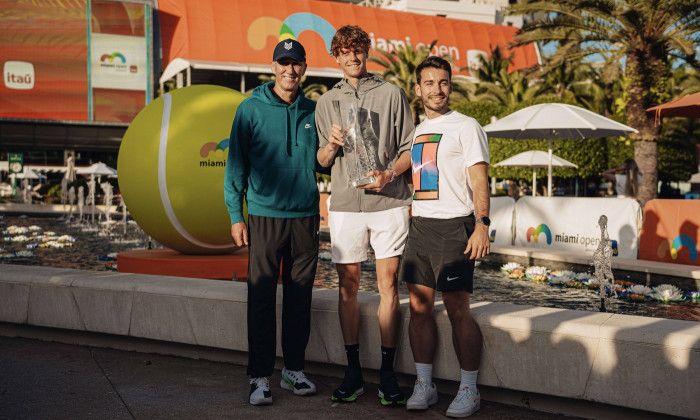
{"x": 602, "y": 261}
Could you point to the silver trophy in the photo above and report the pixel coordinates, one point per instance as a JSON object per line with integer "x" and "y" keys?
{"x": 358, "y": 161}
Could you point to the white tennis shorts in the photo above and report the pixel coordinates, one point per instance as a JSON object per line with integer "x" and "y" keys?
{"x": 352, "y": 233}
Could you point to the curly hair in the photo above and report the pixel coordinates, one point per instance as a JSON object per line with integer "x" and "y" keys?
{"x": 350, "y": 36}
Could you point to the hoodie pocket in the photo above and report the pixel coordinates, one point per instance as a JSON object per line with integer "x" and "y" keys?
{"x": 287, "y": 189}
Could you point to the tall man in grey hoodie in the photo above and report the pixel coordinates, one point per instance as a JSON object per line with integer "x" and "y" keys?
{"x": 376, "y": 213}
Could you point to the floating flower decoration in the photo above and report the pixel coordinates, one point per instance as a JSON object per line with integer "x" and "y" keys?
{"x": 693, "y": 296}
{"x": 624, "y": 283}
{"x": 639, "y": 289}
{"x": 517, "y": 273}
{"x": 635, "y": 297}
{"x": 510, "y": 266}
{"x": 592, "y": 284}
{"x": 559, "y": 280}
{"x": 667, "y": 293}
{"x": 583, "y": 276}
{"x": 574, "y": 284}
{"x": 531, "y": 271}
{"x": 34, "y": 228}
{"x": 564, "y": 273}
{"x": 538, "y": 277}
{"x": 324, "y": 256}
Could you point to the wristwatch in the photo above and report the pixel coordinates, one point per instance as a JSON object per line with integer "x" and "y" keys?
{"x": 484, "y": 221}
{"x": 393, "y": 174}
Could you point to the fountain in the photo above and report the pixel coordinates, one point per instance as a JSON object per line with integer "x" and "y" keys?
{"x": 64, "y": 191}
{"x": 602, "y": 261}
{"x": 81, "y": 203}
{"x": 90, "y": 201}
{"x": 107, "y": 188}
{"x": 71, "y": 202}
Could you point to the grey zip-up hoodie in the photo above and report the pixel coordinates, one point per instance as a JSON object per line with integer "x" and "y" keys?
{"x": 386, "y": 120}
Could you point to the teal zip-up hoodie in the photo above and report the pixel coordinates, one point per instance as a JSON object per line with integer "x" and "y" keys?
{"x": 271, "y": 157}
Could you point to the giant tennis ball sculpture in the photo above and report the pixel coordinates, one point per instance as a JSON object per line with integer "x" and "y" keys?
{"x": 171, "y": 168}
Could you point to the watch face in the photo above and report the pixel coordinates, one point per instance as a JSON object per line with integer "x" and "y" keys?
{"x": 485, "y": 220}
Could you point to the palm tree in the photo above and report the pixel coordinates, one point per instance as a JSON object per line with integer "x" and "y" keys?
{"x": 645, "y": 32}
{"x": 400, "y": 69}
{"x": 496, "y": 84}
{"x": 573, "y": 82}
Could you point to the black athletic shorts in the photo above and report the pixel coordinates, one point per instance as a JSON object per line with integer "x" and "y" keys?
{"x": 434, "y": 254}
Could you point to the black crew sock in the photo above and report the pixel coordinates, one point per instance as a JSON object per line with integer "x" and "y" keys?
{"x": 388, "y": 359}
{"x": 353, "y": 354}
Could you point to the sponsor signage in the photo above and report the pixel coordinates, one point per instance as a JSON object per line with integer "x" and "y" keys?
{"x": 15, "y": 163}
{"x": 571, "y": 224}
{"x": 245, "y": 32}
{"x": 74, "y": 60}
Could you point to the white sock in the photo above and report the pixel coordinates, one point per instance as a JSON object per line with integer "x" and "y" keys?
{"x": 425, "y": 371}
{"x": 468, "y": 379}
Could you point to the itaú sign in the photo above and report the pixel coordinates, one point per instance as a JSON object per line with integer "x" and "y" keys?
{"x": 18, "y": 75}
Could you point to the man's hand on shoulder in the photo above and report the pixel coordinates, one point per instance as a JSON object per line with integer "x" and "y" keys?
{"x": 478, "y": 243}
{"x": 239, "y": 233}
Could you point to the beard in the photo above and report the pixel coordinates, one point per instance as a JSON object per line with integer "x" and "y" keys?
{"x": 435, "y": 108}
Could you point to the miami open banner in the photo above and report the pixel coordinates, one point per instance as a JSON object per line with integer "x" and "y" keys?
{"x": 571, "y": 224}
{"x": 74, "y": 60}
{"x": 244, "y": 31}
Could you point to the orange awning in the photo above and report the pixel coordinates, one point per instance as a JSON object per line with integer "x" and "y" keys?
{"x": 240, "y": 31}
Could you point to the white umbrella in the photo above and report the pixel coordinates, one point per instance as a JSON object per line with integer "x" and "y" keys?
{"x": 99, "y": 169}
{"x": 555, "y": 121}
{"x": 536, "y": 159}
{"x": 30, "y": 174}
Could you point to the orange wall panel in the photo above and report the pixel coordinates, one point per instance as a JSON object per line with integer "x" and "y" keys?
{"x": 671, "y": 232}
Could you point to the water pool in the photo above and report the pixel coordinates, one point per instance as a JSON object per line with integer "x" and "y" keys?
{"x": 491, "y": 285}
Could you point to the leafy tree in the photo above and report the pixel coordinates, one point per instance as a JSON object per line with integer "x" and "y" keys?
{"x": 576, "y": 83}
{"x": 400, "y": 69}
{"x": 496, "y": 84}
{"x": 645, "y": 32}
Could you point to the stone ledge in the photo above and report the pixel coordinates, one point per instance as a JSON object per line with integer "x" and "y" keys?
{"x": 643, "y": 363}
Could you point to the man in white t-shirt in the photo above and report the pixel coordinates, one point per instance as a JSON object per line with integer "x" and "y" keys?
{"x": 449, "y": 231}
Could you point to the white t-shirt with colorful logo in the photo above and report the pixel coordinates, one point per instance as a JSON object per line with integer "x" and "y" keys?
{"x": 442, "y": 150}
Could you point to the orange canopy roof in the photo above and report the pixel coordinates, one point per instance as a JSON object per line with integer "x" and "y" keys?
{"x": 247, "y": 31}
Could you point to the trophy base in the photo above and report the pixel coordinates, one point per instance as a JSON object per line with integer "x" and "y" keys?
{"x": 364, "y": 181}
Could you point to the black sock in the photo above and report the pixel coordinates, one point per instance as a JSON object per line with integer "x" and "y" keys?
{"x": 388, "y": 359}
{"x": 353, "y": 353}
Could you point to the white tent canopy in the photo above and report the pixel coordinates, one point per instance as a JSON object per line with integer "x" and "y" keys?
{"x": 555, "y": 121}
{"x": 99, "y": 169}
{"x": 535, "y": 159}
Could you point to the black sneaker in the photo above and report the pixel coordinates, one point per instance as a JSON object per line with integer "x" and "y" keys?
{"x": 352, "y": 387}
{"x": 388, "y": 389}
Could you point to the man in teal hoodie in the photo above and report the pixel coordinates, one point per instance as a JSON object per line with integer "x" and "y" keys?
{"x": 271, "y": 161}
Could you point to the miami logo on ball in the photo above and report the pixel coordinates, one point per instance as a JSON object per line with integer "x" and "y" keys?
{"x": 171, "y": 168}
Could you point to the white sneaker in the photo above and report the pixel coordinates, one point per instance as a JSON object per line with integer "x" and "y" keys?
{"x": 260, "y": 391}
{"x": 466, "y": 403}
{"x": 295, "y": 380}
{"x": 423, "y": 396}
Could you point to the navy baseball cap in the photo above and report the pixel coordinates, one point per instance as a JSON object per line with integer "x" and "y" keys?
{"x": 289, "y": 48}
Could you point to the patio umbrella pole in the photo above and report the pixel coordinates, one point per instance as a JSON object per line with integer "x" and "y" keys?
{"x": 534, "y": 181}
